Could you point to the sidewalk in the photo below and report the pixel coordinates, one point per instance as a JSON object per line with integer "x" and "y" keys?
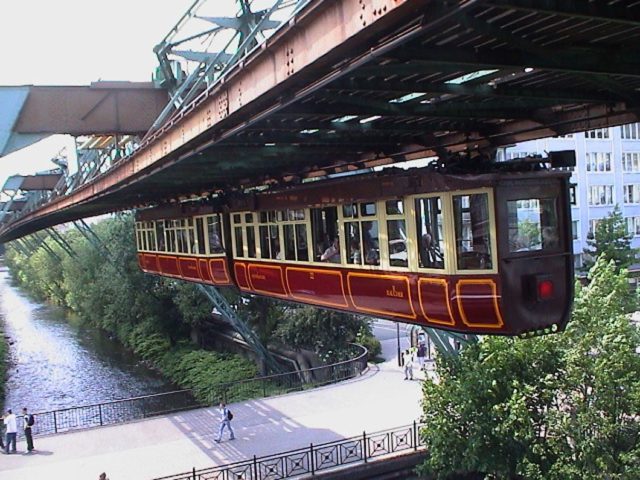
{"x": 171, "y": 444}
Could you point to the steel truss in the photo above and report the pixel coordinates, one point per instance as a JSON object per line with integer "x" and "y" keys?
{"x": 229, "y": 313}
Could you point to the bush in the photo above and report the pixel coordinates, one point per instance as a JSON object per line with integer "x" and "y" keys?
{"x": 558, "y": 407}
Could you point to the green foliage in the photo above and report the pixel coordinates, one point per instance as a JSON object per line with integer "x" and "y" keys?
{"x": 325, "y": 332}
{"x": 366, "y": 339}
{"x": 4, "y": 352}
{"x": 611, "y": 240}
{"x": 558, "y": 407}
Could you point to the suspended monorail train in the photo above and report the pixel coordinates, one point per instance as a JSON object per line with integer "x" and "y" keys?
{"x": 487, "y": 253}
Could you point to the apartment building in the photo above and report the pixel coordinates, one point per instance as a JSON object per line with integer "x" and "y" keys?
{"x": 607, "y": 173}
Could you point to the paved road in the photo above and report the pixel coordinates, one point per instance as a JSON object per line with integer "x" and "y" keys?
{"x": 378, "y": 400}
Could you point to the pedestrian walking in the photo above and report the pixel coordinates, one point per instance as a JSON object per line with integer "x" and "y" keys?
{"x": 225, "y": 422}
{"x": 407, "y": 358}
{"x": 29, "y": 421}
{"x": 421, "y": 354}
{"x": 12, "y": 431}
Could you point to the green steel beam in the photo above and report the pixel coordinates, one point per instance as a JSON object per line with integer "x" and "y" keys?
{"x": 587, "y": 10}
{"x": 345, "y": 105}
{"x": 88, "y": 233}
{"x": 400, "y": 87}
{"x": 586, "y": 61}
{"x": 56, "y": 237}
{"x": 442, "y": 340}
{"x": 240, "y": 326}
{"x": 42, "y": 243}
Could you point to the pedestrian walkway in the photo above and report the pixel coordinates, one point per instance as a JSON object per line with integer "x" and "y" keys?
{"x": 378, "y": 400}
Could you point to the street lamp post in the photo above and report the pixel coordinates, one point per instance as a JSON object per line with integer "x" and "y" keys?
{"x": 398, "y": 339}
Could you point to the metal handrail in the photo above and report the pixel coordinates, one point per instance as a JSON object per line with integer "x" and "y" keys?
{"x": 136, "y": 408}
{"x": 316, "y": 458}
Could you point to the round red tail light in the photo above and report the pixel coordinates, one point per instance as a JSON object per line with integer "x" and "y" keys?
{"x": 545, "y": 289}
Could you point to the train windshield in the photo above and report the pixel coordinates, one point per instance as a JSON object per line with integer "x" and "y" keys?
{"x": 533, "y": 224}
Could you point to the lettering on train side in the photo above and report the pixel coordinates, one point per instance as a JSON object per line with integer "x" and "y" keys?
{"x": 392, "y": 292}
{"x": 258, "y": 276}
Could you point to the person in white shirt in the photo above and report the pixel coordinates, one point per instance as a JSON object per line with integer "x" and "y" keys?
{"x": 408, "y": 364}
{"x": 225, "y": 421}
{"x": 12, "y": 431}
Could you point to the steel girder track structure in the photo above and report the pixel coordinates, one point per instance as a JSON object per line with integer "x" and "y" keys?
{"x": 348, "y": 84}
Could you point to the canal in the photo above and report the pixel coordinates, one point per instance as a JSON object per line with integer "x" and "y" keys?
{"x": 57, "y": 361}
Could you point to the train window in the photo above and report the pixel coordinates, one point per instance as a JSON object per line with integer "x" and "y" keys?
{"x": 324, "y": 231}
{"x": 394, "y": 207}
{"x": 361, "y": 236}
{"x": 269, "y": 236}
{"x": 151, "y": 236}
{"x": 214, "y": 234}
{"x": 145, "y": 236}
{"x": 396, "y": 233}
{"x": 143, "y": 240}
{"x": 244, "y": 222}
{"x": 244, "y": 232}
{"x": 162, "y": 246}
{"x": 251, "y": 241}
{"x": 239, "y": 243}
{"x": 533, "y": 224}
{"x": 430, "y": 230}
{"x": 201, "y": 250}
{"x": 182, "y": 236}
{"x": 295, "y": 235}
{"x": 170, "y": 230}
{"x": 473, "y": 231}
{"x": 139, "y": 235}
{"x": 367, "y": 209}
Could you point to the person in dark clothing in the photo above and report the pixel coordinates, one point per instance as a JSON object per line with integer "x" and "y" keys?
{"x": 29, "y": 421}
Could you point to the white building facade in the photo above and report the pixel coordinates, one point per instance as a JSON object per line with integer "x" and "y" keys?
{"x": 607, "y": 173}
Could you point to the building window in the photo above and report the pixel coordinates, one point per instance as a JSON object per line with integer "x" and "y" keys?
{"x": 600, "y": 195}
{"x": 512, "y": 155}
{"x": 597, "y": 134}
{"x": 573, "y": 195}
{"x": 593, "y": 224}
{"x": 598, "y": 162}
{"x": 630, "y": 131}
{"x": 568, "y": 135}
{"x": 575, "y": 229}
{"x": 631, "y": 162}
{"x": 633, "y": 226}
{"x": 632, "y": 193}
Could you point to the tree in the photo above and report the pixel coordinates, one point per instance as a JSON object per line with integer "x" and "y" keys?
{"x": 325, "y": 332}
{"x": 612, "y": 240}
{"x": 561, "y": 406}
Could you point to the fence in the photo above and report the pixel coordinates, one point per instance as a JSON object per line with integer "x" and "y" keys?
{"x": 315, "y": 458}
{"x": 122, "y": 411}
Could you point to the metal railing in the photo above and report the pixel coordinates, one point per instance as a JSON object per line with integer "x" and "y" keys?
{"x": 315, "y": 458}
{"x": 130, "y": 409}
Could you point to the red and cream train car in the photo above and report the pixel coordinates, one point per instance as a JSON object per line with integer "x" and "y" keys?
{"x": 482, "y": 254}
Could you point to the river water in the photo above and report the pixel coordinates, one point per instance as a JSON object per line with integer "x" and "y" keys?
{"x": 57, "y": 361}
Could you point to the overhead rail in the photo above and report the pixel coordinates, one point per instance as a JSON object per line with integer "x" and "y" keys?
{"x": 345, "y": 85}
